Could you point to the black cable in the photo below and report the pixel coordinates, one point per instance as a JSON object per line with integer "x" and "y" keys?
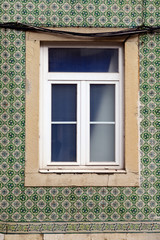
{"x": 129, "y": 31}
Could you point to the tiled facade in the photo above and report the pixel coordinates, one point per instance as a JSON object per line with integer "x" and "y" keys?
{"x": 77, "y": 209}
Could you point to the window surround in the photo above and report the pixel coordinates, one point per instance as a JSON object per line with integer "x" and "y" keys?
{"x": 129, "y": 176}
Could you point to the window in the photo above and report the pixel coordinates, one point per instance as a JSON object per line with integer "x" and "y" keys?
{"x": 81, "y": 119}
{"x": 81, "y": 107}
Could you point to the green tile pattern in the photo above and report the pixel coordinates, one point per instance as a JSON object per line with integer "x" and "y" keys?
{"x": 96, "y": 13}
{"x": 81, "y": 227}
{"x": 75, "y": 205}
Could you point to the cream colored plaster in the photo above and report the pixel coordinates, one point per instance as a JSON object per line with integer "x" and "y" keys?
{"x": 23, "y": 237}
{"x": 53, "y": 179}
{"x": 1, "y": 236}
{"x": 101, "y": 236}
{"x": 130, "y": 175}
{"x": 58, "y": 37}
{"x": 104, "y": 236}
{"x": 131, "y": 104}
{"x": 32, "y": 105}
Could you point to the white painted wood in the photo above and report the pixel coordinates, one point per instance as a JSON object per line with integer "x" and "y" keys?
{"x": 79, "y": 170}
{"x": 83, "y": 76}
{"x": 83, "y": 81}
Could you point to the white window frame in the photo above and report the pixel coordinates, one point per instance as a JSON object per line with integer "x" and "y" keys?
{"x": 82, "y": 80}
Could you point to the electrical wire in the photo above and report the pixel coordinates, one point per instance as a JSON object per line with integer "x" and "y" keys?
{"x": 130, "y": 31}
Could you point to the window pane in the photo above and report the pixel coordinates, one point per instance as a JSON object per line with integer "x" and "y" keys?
{"x": 63, "y": 143}
{"x": 83, "y": 60}
{"x": 102, "y": 102}
{"x": 102, "y": 143}
{"x": 64, "y": 101}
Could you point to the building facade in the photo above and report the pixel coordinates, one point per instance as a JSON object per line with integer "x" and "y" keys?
{"x": 97, "y": 211}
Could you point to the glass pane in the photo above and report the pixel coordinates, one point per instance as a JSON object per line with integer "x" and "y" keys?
{"x": 102, "y": 143}
{"x": 64, "y": 101}
{"x": 102, "y": 102}
{"x": 63, "y": 143}
{"x": 83, "y": 60}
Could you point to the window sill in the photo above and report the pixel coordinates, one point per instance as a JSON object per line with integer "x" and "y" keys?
{"x": 82, "y": 171}
{"x": 125, "y": 179}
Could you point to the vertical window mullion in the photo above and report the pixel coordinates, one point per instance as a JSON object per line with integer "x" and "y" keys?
{"x": 45, "y": 110}
{"x": 121, "y": 107}
{"x": 48, "y": 127}
{"x": 84, "y": 118}
{"x": 78, "y": 123}
{"x": 87, "y": 160}
{"x": 117, "y": 123}
{"x": 47, "y": 114}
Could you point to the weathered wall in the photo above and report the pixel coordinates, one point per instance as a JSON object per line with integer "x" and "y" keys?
{"x": 75, "y": 209}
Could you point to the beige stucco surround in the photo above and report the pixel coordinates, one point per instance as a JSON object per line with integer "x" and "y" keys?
{"x": 127, "y": 177}
{"x": 103, "y": 236}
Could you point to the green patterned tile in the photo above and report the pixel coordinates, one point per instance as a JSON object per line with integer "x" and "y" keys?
{"x": 75, "y": 13}
{"x": 99, "y": 208}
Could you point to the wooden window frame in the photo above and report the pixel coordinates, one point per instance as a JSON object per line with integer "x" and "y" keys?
{"x": 83, "y": 81}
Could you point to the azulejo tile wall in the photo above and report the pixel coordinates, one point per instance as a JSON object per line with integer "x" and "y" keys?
{"x": 97, "y": 13}
{"x": 75, "y": 209}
